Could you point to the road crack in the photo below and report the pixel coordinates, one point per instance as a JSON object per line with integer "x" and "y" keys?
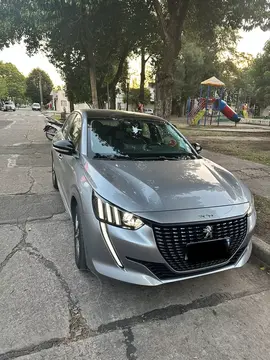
{"x": 130, "y": 348}
{"x": 30, "y": 220}
{"x": 174, "y": 310}
{"x": 78, "y": 327}
{"x": 16, "y": 248}
{"x": 127, "y": 324}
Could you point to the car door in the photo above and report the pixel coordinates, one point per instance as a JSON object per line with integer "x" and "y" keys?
{"x": 70, "y": 163}
{"x": 57, "y": 158}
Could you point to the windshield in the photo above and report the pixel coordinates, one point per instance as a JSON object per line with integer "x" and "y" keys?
{"x": 136, "y": 138}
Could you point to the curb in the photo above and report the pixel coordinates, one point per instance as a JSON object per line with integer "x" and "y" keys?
{"x": 261, "y": 250}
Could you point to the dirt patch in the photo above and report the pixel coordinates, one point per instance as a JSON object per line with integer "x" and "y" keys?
{"x": 256, "y": 151}
{"x": 197, "y": 132}
{"x": 263, "y": 222}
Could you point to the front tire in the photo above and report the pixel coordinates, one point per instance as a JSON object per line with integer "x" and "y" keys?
{"x": 54, "y": 178}
{"x": 79, "y": 250}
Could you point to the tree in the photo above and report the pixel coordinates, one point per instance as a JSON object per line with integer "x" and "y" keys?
{"x": 260, "y": 73}
{"x": 32, "y": 86}
{"x": 87, "y": 29}
{"x": 12, "y": 81}
{"x": 134, "y": 96}
{"x": 219, "y": 57}
{"x": 175, "y": 16}
{"x": 3, "y": 88}
{"x": 80, "y": 32}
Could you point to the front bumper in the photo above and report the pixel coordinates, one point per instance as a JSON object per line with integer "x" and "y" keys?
{"x": 135, "y": 257}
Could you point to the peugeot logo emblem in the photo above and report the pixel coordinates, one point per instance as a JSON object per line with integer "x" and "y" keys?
{"x": 208, "y": 232}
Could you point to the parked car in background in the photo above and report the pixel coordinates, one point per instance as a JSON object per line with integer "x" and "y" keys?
{"x": 36, "y": 107}
{"x": 149, "y": 111}
{"x": 9, "y": 106}
{"x": 146, "y": 207}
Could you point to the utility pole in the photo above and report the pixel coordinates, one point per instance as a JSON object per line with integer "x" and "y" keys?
{"x": 127, "y": 94}
{"x": 40, "y": 91}
{"x": 108, "y": 96}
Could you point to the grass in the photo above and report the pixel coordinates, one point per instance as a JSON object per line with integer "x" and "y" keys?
{"x": 262, "y": 229}
{"x": 256, "y": 151}
{"x": 205, "y": 131}
{"x": 57, "y": 117}
{"x": 196, "y": 132}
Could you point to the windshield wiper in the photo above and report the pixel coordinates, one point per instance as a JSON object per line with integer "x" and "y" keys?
{"x": 110, "y": 157}
{"x": 166, "y": 157}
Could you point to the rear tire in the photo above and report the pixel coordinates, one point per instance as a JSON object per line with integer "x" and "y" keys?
{"x": 79, "y": 250}
{"x": 54, "y": 178}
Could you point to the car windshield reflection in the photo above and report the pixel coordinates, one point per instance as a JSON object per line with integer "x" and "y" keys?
{"x": 136, "y": 139}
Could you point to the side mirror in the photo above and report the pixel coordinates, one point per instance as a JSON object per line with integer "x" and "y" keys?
{"x": 65, "y": 147}
{"x": 197, "y": 147}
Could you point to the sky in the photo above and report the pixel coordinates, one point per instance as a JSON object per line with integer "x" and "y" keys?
{"x": 251, "y": 42}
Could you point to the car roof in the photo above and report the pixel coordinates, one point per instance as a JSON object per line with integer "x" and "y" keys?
{"x": 95, "y": 113}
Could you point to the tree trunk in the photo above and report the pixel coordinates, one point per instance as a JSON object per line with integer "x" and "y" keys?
{"x": 171, "y": 23}
{"x": 165, "y": 81}
{"x": 93, "y": 84}
{"x": 143, "y": 62}
{"x": 113, "y": 98}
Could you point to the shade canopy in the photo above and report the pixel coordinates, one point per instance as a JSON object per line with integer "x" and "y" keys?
{"x": 213, "y": 81}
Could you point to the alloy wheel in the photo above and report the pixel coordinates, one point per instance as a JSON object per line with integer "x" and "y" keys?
{"x": 77, "y": 237}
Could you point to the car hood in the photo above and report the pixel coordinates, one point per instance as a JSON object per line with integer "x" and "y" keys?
{"x": 142, "y": 186}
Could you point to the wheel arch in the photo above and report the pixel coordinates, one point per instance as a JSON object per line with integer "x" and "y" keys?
{"x": 75, "y": 199}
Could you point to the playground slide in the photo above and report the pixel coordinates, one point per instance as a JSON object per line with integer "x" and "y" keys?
{"x": 228, "y": 111}
{"x": 198, "y": 117}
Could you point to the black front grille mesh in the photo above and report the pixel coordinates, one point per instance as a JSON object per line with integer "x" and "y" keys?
{"x": 163, "y": 272}
{"x": 172, "y": 240}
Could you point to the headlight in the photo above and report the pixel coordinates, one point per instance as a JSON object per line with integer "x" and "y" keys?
{"x": 251, "y": 207}
{"x": 112, "y": 215}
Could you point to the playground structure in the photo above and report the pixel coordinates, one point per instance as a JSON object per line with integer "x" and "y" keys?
{"x": 210, "y": 104}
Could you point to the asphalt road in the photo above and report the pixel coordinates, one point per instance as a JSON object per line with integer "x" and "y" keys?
{"x": 49, "y": 310}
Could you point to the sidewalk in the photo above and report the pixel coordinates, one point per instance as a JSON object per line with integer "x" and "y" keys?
{"x": 257, "y": 178}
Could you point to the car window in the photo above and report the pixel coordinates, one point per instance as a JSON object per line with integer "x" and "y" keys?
{"x": 75, "y": 130}
{"x": 67, "y": 125}
{"x": 136, "y": 137}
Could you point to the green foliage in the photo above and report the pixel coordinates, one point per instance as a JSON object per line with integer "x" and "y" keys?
{"x": 95, "y": 37}
{"x": 134, "y": 94}
{"x": 3, "y": 88}
{"x": 12, "y": 82}
{"x": 260, "y": 74}
{"x": 32, "y": 86}
{"x": 81, "y": 37}
{"x": 201, "y": 60}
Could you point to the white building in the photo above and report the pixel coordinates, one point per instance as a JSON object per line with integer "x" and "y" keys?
{"x": 60, "y": 102}
{"x": 121, "y": 96}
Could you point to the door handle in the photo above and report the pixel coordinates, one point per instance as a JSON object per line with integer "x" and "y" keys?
{"x": 60, "y": 156}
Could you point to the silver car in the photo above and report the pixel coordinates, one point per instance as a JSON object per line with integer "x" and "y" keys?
{"x": 146, "y": 207}
{"x": 9, "y": 106}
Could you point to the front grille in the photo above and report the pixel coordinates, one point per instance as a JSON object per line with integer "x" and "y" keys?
{"x": 172, "y": 241}
{"x": 163, "y": 272}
